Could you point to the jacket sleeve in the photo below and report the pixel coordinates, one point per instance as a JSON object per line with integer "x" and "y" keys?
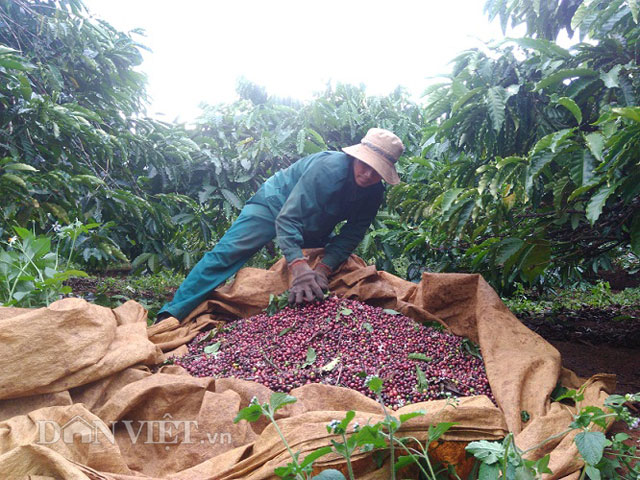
{"x": 342, "y": 245}
{"x": 314, "y": 188}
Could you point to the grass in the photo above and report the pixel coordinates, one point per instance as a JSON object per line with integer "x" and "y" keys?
{"x": 151, "y": 291}
{"x": 598, "y": 295}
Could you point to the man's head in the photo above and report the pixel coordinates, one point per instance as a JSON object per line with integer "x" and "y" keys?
{"x": 364, "y": 175}
{"x": 379, "y": 151}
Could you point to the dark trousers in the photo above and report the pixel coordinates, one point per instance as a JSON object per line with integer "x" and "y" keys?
{"x": 253, "y": 229}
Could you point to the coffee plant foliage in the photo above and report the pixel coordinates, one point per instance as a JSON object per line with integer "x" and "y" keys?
{"x": 252, "y": 138}
{"x": 522, "y": 164}
{"x": 75, "y": 141}
{"x": 530, "y": 172}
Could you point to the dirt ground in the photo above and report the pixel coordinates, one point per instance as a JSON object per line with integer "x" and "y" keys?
{"x": 595, "y": 340}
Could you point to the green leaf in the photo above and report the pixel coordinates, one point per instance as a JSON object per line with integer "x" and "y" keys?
{"x": 344, "y": 423}
{"x": 212, "y": 349}
{"x": 419, "y": 356}
{"x": 140, "y": 259}
{"x": 403, "y": 461}
{"x": 346, "y": 311}
{"x": 329, "y": 474}
{"x": 8, "y": 62}
{"x": 635, "y": 234}
{"x": 542, "y": 465}
{"x": 422, "y": 378}
{"x": 15, "y": 179}
{"x": 488, "y": 471}
{"x": 562, "y": 75}
{"x": 153, "y": 263}
{"x": 610, "y": 78}
{"x": 632, "y": 113}
{"x": 89, "y": 180}
{"x": 591, "y": 446}
{"x": 560, "y": 138}
{"x": 581, "y": 167}
{"x": 524, "y": 473}
{"x": 375, "y": 384}
{"x": 20, "y": 294}
{"x": 593, "y": 473}
{"x": 311, "y": 357}
{"x": 634, "y": 6}
{"x": 251, "y": 414}
{"x": 583, "y": 189}
{"x": 232, "y": 198}
{"x": 4, "y": 50}
{"x": 465, "y": 98}
{"x": 449, "y": 197}
{"x": 578, "y": 17}
{"x": 436, "y": 431}
{"x": 284, "y": 331}
{"x": 390, "y": 311}
{"x": 497, "y": 103}
{"x": 284, "y": 472}
{"x": 313, "y": 456}
{"x": 20, "y": 166}
{"x": 538, "y": 162}
{"x": 542, "y": 144}
{"x": 408, "y": 416}
{"x": 536, "y": 260}
{"x": 509, "y": 161}
{"x": 208, "y": 336}
{"x": 371, "y": 435}
{"x": 563, "y": 393}
{"x": 508, "y": 248}
{"x": 471, "y": 348}
{"x": 541, "y": 45}
{"x": 279, "y": 400}
{"x": 589, "y": 415}
{"x": 597, "y": 202}
{"x": 572, "y": 107}
{"x": 368, "y": 327}
{"x": 485, "y": 451}
{"x": 595, "y": 142}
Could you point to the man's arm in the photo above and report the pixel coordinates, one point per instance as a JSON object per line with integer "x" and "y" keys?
{"x": 315, "y": 188}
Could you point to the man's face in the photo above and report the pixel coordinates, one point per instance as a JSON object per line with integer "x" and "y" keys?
{"x": 364, "y": 175}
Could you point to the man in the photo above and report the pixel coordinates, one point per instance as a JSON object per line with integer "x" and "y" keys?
{"x": 301, "y": 206}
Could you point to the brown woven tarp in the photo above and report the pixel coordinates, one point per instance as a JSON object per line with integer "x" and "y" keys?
{"x": 78, "y": 398}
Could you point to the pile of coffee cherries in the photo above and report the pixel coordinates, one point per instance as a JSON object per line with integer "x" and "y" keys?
{"x": 342, "y": 342}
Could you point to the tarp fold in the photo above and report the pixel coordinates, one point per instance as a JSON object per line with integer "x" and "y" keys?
{"x": 83, "y": 393}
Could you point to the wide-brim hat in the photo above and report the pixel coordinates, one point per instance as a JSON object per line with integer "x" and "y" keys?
{"x": 380, "y": 149}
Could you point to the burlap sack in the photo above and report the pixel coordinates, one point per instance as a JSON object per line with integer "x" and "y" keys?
{"x": 79, "y": 399}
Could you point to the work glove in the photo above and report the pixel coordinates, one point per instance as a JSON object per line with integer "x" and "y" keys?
{"x": 323, "y": 271}
{"x": 304, "y": 284}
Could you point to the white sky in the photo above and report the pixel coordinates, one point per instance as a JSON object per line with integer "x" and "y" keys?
{"x": 292, "y": 47}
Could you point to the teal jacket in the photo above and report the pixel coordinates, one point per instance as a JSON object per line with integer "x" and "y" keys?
{"x": 309, "y": 198}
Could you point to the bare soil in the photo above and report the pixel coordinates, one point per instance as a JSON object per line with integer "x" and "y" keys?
{"x": 595, "y": 340}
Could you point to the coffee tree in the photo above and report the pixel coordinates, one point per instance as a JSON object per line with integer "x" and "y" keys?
{"x": 531, "y": 171}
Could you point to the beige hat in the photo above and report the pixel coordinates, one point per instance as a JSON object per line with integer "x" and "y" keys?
{"x": 380, "y": 149}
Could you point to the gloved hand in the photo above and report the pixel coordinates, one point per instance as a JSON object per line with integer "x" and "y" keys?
{"x": 323, "y": 271}
{"x": 304, "y": 285}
